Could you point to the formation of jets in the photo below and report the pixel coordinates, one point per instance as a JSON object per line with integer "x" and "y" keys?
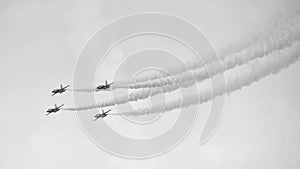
{"x": 62, "y": 89}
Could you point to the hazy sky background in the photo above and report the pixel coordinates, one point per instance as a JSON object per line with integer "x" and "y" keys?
{"x": 39, "y": 44}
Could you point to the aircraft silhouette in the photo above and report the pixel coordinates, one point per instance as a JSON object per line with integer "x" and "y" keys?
{"x": 54, "y": 110}
{"x": 101, "y": 115}
{"x": 59, "y": 90}
{"x": 105, "y": 86}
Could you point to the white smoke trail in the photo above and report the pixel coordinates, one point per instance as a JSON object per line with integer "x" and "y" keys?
{"x": 276, "y": 39}
{"x": 90, "y": 90}
{"x": 259, "y": 69}
{"x": 82, "y": 90}
{"x": 147, "y": 92}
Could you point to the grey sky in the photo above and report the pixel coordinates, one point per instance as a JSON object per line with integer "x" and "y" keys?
{"x": 39, "y": 44}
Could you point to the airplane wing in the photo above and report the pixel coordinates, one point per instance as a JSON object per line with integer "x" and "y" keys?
{"x": 60, "y": 106}
{"x": 108, "y": 111}
{"x": 111, "y": 83}
{"x": 66, "y": 86}
{"x": 53, "y": 94}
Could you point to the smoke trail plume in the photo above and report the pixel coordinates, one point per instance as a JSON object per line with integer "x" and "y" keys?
{"x": 82, "y": 90}
{"x": 276, "y": 39}
{"x": 259, "y": 69}
{"x": 147, "y": 92}
{"x": 90, "y": 90}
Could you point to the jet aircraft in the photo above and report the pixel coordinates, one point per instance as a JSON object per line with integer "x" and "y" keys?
{"x": 54, "y": 110}
{"x": 104, "y": 87}
{"x": 59, "y": 90}
{"x": 101, "y": 115}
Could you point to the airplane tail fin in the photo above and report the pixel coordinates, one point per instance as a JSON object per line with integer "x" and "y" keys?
{"x": 55, "y": 105}
{"x": 61, "y": 86}
{"x": 105, "y": 82}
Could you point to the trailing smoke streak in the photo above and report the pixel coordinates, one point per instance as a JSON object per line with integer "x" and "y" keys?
{"x": 134, "y": 96}
{"x": 82, "y": 90}
{"x": 259, "y": 69}
{"x": 272, "y": 38}
{"x": 277, "y": 39}
{"x": 147, "y": 92}
{"x": 90, "y": 90}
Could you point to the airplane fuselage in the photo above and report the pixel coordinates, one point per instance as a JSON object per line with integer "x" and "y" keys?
{"x": 49, "y": 111}
{"x": 60, "y": 91}
{"x": 53, "y": 110}
{"x": 103, "y": 87}
{"x": 101, "y": 115}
